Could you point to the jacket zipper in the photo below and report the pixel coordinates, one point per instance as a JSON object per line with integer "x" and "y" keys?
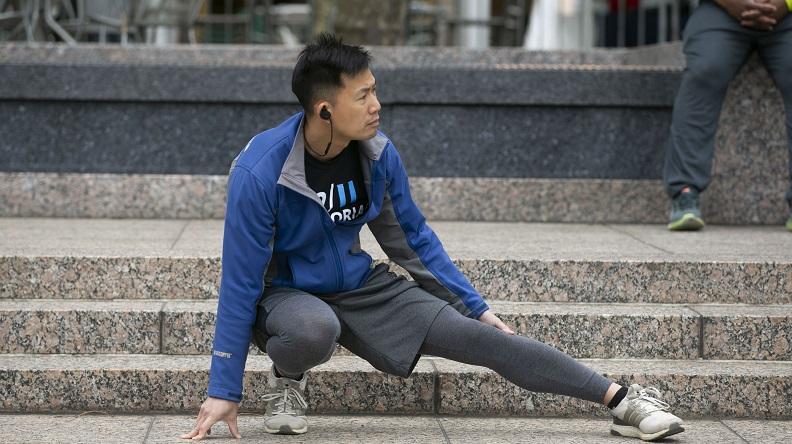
{"x": 336, "y": 258}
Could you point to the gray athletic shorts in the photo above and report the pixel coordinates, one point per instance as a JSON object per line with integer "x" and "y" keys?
{"x": 384, "y": 322}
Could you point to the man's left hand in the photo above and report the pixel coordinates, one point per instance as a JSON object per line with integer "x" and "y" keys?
{"x": 489, "y": 318}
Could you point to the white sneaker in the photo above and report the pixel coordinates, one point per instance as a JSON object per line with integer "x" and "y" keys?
{"x": 285, "y": 405}
{"x": 641, "y": 414}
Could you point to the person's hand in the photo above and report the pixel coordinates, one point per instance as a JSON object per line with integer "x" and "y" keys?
{"x": 757, "y": 14}
{"x": 765, "y": 21}
{"x": 489, "y": 318}
{"x": 781, "y": 9}
{"x": 212, "y": 411}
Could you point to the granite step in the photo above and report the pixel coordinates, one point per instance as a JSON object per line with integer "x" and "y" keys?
{"x": 366, "y": 429}
{"x": 584, "y": 330}
{"x": 483, "y": 199}
{"x": 180, "y": 259}
{"x": 347, "y": 384}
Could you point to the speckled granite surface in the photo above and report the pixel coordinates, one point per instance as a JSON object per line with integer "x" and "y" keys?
{"x": 449, "y": 198}
{"x": 541, "y": 200}
{"x": 56, "y": 326}
{"x": 108, "y": 278}
{"x": 581, "y": 330}
{"x": 750, "y": 173}
{"x": 203, "y": 196}
{"x": 139, "y": 383}
{"x": 530, "y": 280}
{"x": 105, "y": 259}
{"x": 112, "y": 195}
{"x": 188, "y": 327}
{"x": 757, "y": 333}
{"x": 608, "y": 330}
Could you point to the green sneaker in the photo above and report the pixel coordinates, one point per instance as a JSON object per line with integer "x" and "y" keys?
{"x": 789, "y": 221}
{"x": 285, "y": 405}
{"x": 685, "y": 212}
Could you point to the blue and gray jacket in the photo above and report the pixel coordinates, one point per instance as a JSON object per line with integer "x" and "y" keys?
{"x": 278, "y": 233}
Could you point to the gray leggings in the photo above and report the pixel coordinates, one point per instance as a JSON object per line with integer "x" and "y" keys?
{"x": 303, "y": 333}
{"x": 530, "y": 364}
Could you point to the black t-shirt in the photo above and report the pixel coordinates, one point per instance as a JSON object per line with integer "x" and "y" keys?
{"x": 339, "y": 183}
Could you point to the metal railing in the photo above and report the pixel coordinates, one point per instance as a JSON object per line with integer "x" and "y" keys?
{"x": 615, "y": 23}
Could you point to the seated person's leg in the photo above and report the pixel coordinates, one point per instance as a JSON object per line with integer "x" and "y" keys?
{"x": 776, "y": 51}
{"x": 715, "y": 47}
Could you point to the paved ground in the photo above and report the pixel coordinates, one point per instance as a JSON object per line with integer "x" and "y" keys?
{"x": 100, "y": 428}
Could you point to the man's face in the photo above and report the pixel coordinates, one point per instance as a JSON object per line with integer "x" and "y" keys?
{"x": 356, "y": 108}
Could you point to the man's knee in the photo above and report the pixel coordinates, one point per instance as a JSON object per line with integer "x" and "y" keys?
{"x": 315, "y": 335}
{"x": 709, "y": 73}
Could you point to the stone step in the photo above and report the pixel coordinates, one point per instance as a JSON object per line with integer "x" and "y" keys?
{"x": 347, "y": 384}
{"x": 584, "y": 330}
{"x": 180, "y": 259}
{"x": 163, "y": 196}
{"x": 366, "y": 429}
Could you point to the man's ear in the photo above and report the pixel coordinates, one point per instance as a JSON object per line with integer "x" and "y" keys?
{"x": 318, "y": 106}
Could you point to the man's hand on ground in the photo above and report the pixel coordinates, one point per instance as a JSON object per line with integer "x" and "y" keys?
{"x": 212, "y": 411}
{"x": 489, "y": 318}
{"x": 757, "y": 14}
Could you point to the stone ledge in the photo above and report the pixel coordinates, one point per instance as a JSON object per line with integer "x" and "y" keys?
{"x": 152, "y": 259}
{"x": 171, "y": 196}
{"x": 583, "y": 330}
{"x": 146, "y": 383}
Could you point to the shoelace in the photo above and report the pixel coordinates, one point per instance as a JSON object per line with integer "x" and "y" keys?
{"x": 652, "y": 396}
{"x": 285, "y": 405}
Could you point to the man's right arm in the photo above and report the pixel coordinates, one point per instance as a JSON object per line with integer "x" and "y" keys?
{"x": 247, "y": 249}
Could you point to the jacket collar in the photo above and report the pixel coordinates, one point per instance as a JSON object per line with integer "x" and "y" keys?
{"x": 293, "y": 171}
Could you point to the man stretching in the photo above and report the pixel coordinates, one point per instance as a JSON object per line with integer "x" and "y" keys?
{"x": 295, "y": 280}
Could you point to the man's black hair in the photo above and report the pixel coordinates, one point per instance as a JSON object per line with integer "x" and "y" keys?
{"x": 317, "y": 73}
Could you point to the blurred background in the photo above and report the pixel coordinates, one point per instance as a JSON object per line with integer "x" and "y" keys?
{"x": 531, "y": 24}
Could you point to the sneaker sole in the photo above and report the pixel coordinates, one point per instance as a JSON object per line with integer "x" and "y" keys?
{"x": 634, "y": 432}
{"x": 286, "y": 430}
{"x": 688, "y": 222}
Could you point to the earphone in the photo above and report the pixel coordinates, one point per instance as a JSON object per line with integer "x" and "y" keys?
{"x": 325, "y": 114}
